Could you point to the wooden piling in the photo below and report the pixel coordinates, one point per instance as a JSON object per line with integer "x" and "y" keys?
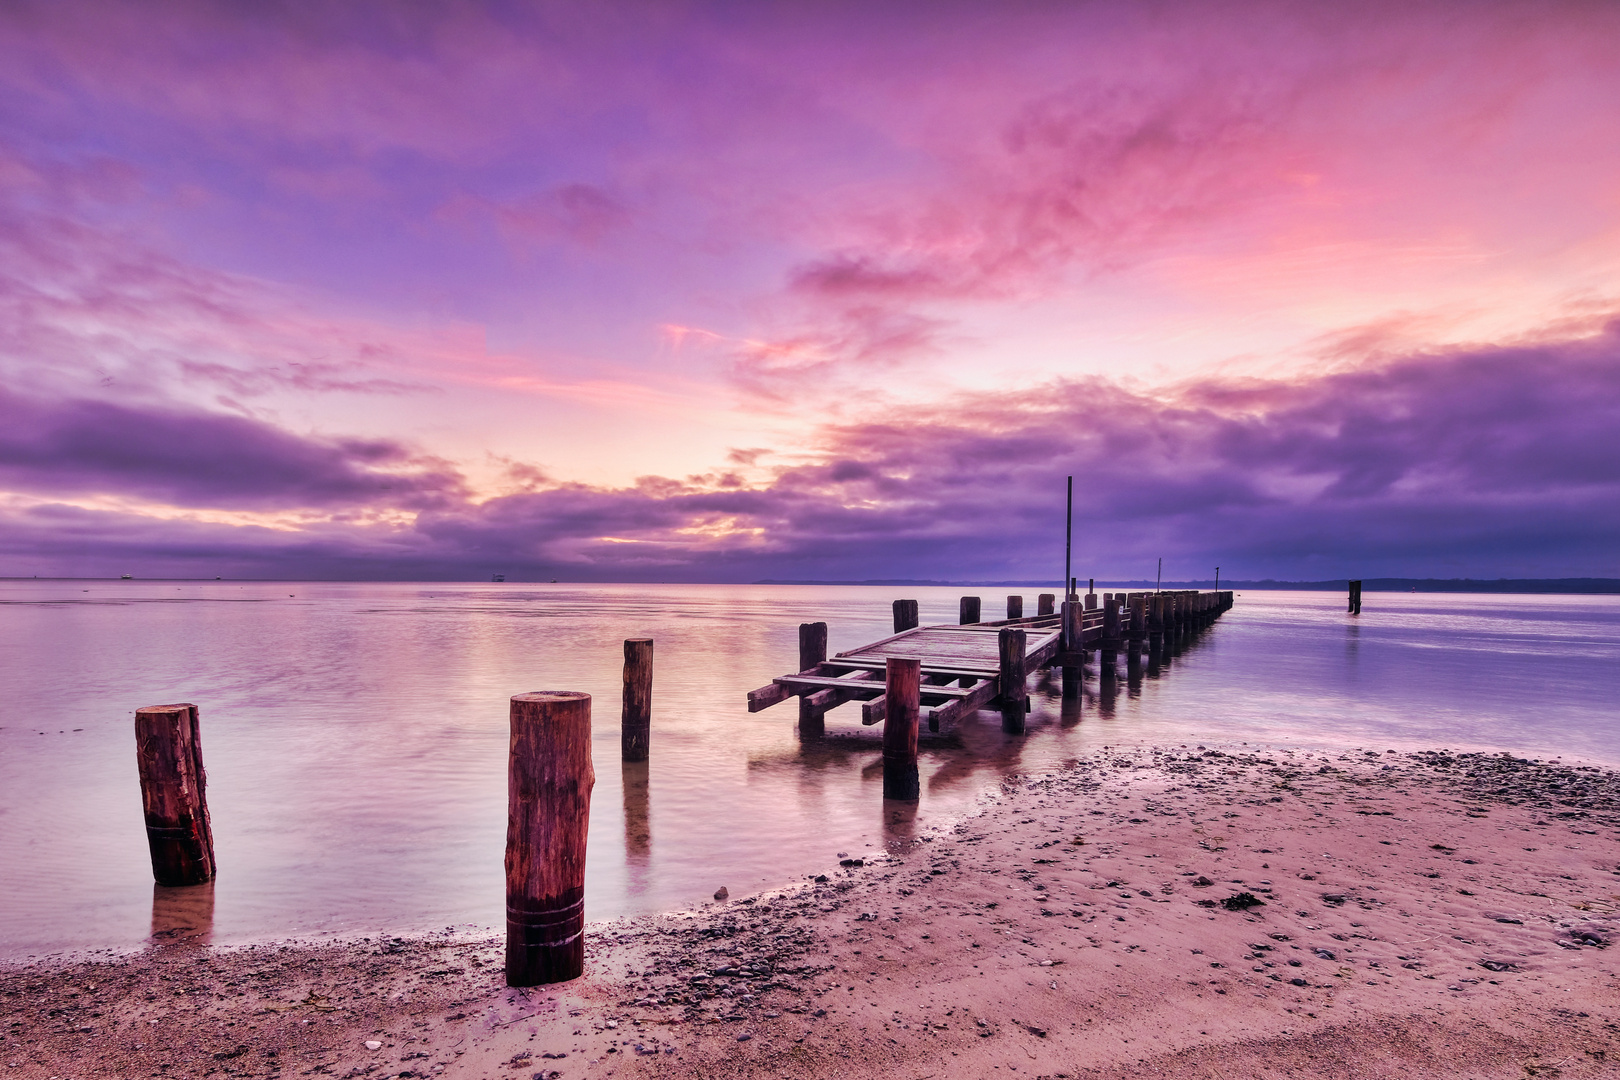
{"x": 1015, "y": 607}
{"x": 174, "y": 794}
{"x": 635, "y": 730}
{"x": 1355, "y": 598}
{"x": 548, "y": 809}
{"x": 1072, "y": 649}
{"x": 969, "y": 610}
{"x": 905, "y": 615}
{"x": 1044, "y": 604}
{"x": 902, "y": 688}
{"x": 1014, "y": 674}
{"x": 812, "y": 653}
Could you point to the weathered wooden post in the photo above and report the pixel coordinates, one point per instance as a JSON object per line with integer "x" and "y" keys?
{"x": 1011, "y": 643}
{"x": 174, "y": 794}
{"x": 1355, "y": 598}
{"x": 548, "y": 810}
{"x": 1156, "y": 625}
{"x": 902, "y": 689}
{"x": 1073, "y": 649}
{"x": 1138, "y": 628}
{"x": 1111, "y": 640}
{"x": 969, "y": 610}
{"x": 1015, "y": 607}
{"x": 1044, "y": 604}
{"x": 812, "y": 654}
{"x": 1074, "y": 588}
{"x": 905, "y": 615}
{"x": 635, "y": 725}
{"x": 1091, "y": 594}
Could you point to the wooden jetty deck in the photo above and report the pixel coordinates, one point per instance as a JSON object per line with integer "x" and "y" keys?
{"x": 973, "y": 665}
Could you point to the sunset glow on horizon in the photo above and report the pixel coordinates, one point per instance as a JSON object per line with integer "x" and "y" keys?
{"x": 725, "y": 292}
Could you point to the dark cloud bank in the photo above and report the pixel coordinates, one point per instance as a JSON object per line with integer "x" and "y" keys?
{"x": 1484, "y": 463}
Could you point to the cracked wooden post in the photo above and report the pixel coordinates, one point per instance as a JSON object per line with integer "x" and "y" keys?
{"x": 812, "y": 653}
{"x": 905, "y": 615}
{"x": 1011, "y": 645}
{"x": 548, "y": 810}
{"x": 1015, "y": 607}
{"x": 174, "y": 794}
{"x": 635, "y": 731}
{"x": 968, "y": 611}
{"x": 1044, "y": 603}
{"x": 902, "y": 692}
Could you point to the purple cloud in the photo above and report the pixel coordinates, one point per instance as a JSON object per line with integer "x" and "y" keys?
{"x": 1486, "y": 462}
{"x": 194, "y": 459}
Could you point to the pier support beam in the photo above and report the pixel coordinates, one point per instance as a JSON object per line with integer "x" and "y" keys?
{"x": 1014, "y": 673}
{"x": 548, "y": 810}
{"x": 1015, "y": 607}
{"x": 635, "y": 723}
{"x": 968, "y": 611}
{"x": 174, "y": 794}
{"x": 1355, "y": 598}
{"x": 812, "y": 651}
{"x": 1043, "y": 604}
{"x": 902, "y": 692}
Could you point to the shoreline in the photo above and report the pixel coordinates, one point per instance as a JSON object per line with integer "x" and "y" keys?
{"x": 1091, "y": 922}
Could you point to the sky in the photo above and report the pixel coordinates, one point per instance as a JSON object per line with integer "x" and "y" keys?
{"x": 814, "y": 291}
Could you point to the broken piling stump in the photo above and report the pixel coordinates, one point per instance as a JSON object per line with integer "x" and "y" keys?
{"x": 902, "y": 696}
{"x": 548, "y": 810}
{"x": 174, "y": 794}
{"x": 635, "y": 731}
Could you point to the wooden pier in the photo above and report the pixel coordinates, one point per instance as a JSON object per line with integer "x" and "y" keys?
{"x": 977, "y": 665}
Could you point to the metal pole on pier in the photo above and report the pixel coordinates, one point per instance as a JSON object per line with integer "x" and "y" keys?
{"x": 1159, "y": 577}
{"x": 1068, "y": 540}
{"x": 1217, "y": 579}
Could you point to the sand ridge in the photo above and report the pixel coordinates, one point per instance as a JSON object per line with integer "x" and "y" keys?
{"x": 1189, "y": 911}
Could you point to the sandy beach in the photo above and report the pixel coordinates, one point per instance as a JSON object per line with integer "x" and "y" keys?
{"x": 1216, "y": 911}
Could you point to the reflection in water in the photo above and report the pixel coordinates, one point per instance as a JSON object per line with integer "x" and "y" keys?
{"x": 183, "y": 914}
{"x": 1133, "y": 671}
{"x": 899, "y": 825}
{"x": 637, "y": 812}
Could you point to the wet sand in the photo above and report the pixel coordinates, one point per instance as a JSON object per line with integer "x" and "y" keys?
{"x": 1175, "y": 911}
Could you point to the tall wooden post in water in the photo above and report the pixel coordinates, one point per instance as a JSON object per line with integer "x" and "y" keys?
{"x": 1015, "y": 607}
{"x": 902, "y": 687}
{"x": 174, "y": 794}
{"x": 812, "y": 653}
{"x": 548, "y": 810}
{"x": 968, "y": 611}
{"x": 1073, "y": 649}
{"x": 1011, "y": 644}
{"x": 1044, "y": 602}
{"x": 635, "y": 727}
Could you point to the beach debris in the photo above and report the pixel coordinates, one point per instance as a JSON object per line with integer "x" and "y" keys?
{"x": 1242, "y": 901}
{"x": 1497, "y": 965}
{"x": 1325, "y": 954}
{"x": 721, "y": 893}
{"x": 1335, "y": 899}
{"x": 1201, "y": 882}
{"x": 373, "y": 1044}
{"x": 851, "y": 862}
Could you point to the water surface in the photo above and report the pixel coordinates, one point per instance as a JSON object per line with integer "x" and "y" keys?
{"x": 355, "y": 734}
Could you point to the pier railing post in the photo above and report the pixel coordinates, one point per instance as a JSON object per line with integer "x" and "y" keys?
{"x": 548, "y": 809}
{"x": 902, "y": 688}
{"x": 969, "y": 611}
{"x": 812, "y": 653}
{"x": 1014, "y": 673}
{"x": 905, "y": 615}
{"x": 1015, "y": 607}
{"x": 1044, "y": 604}
{"x": 174, "y": 794}
{"x": 635, "y": 728}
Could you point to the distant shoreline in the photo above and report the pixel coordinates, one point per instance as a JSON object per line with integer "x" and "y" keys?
{"x": 1549, "y": 586}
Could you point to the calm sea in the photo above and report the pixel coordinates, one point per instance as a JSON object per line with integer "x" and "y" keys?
{"x": 355, "y": 734}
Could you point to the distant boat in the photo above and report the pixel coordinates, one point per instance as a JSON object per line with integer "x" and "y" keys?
{"x": 497, "y": 577}
{"x": 126, "y": 577}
